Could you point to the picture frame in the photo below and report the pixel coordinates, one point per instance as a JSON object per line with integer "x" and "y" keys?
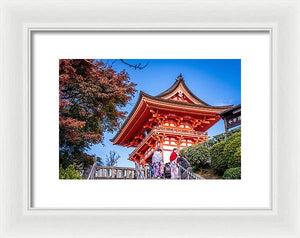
{"x": 20, "y": 19}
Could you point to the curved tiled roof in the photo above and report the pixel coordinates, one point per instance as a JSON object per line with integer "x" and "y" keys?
{"x": 184, "y": 103}
{"x": 179, "y": 80}
{"x": 159, "y": 98}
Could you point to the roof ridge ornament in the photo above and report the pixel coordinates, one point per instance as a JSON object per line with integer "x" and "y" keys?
{"x": 179, "y": 77}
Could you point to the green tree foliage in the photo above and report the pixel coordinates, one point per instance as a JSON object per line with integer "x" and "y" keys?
{"x": 183, "y": 152}
{"x": 197, "y": 155}
{"x": 220, "y": 152}
{"x": 232, "y": 173}
{"x": 218, "y": 160}
{"x": 238, "y": 155}
{"x": 233, "y": 131}
{"x": 221, "y": 137}
{"x": 227, "y": 153}
{"x": 211, "y": 142}
{"x": 91, "y": 95}
{"x": 233, "y": 144}
{"x": 68, "y": 173}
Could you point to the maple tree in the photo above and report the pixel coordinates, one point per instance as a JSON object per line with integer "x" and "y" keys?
{"x": 91, "y": 96}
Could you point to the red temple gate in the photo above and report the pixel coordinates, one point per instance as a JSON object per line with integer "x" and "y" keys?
{"x": 175, "y": 118}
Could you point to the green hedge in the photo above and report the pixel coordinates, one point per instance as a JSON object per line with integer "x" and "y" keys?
{"x": 221, "y": 152}
{"x": 198, "y": 155}
{"x": 183, "y": 152}
{"x": 68, "y": 173}
{"x": 218, "y": 160}
{"x": 221, "y": 137}
{"x": 238, "y": 156}
{"x": 226, "y": 154}
{"x": 232, "y": 173}
{"x": 232, "y": 150}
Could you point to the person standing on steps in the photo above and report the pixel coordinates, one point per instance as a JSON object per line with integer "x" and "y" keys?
{"x": 150, "y": 169}
{"x": 174, "y": 168}
{"x": 156, "y": 163}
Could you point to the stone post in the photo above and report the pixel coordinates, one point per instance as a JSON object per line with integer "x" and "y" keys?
{"x": 113, "y": 172}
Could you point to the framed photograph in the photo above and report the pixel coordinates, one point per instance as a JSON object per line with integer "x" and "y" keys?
{"x": 154, "y": 127}
{"x": 164, "y": 136}
{"x": 178, "y": 119}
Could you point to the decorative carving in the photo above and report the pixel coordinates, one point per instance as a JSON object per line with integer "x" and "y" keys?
{"x": 180, "y": 93}
{"x": 158, "y": 127}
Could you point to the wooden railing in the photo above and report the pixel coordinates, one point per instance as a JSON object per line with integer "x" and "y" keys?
{"x": 181, "y": 131}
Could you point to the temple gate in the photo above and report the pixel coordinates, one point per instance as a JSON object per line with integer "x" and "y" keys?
{"x": 176, "y": 118}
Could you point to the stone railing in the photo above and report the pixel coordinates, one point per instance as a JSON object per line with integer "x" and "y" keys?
{"x": 187, "y": 173}
{"x": 185, "y": 170}
{"x": 110, "y": 172}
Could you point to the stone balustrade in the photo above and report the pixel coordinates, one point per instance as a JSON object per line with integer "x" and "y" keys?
{"x": 110, "y": 172}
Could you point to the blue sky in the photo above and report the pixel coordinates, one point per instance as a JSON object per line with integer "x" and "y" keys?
{"x": 215, "y": 81}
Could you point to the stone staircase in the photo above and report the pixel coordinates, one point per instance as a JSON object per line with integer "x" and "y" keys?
{"x": 111, "y": 172}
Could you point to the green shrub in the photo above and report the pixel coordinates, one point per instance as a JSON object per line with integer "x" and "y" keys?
{"x": 232, "y": 150}
{"x": 198, "y": 155}
{"x": 238, "y": 155}
{"x": 218, "y": 153}
{"x": 211, "y": 142}
{"x": 218, "y": 160}
{"x": 183, "y": 152}
{"x": 232, "y": 173}
{"x": 221, "y": 137}
{"x": 68, "y": 173}
{"x": 233, "y": 131}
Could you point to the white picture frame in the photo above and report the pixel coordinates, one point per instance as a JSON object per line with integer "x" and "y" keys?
{"x": 19, "y": 19}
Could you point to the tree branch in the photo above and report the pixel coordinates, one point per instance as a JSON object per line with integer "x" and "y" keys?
{"x": 136, "y": 66}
